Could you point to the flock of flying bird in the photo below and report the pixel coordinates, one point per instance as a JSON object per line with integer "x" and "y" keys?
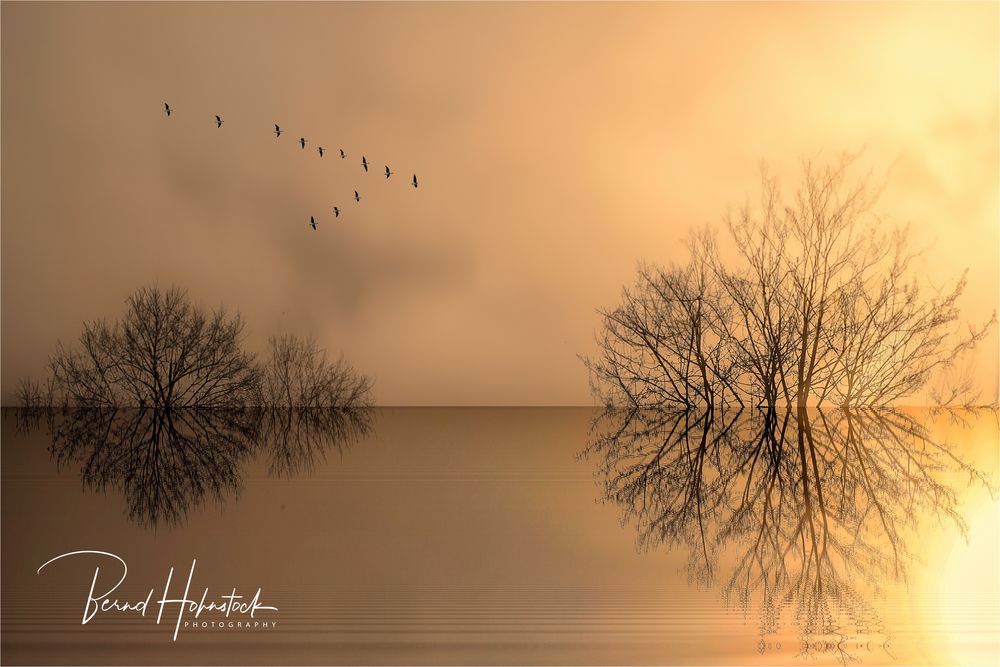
{"x": 302, "y": 142}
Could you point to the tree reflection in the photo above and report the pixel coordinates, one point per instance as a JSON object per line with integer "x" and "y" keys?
{"x": 797, "y": 510}
{"x": 165, "y": 463}
{"x": 301, "y": 437}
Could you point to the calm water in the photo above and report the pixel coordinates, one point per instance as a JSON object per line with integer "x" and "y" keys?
{"x": 506, "y": 536}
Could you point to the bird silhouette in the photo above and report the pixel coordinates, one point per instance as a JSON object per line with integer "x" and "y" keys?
{"x": 168, "y": 110}
{"x": 312, "y": 222}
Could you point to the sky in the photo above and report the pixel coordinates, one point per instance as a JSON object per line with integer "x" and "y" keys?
{"x": 557, "y": 145}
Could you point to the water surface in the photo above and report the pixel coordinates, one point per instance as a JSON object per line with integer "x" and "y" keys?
{"x": 509, "y": 536}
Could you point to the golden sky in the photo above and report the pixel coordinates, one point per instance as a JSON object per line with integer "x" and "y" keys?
{"x": 556, "y": 145}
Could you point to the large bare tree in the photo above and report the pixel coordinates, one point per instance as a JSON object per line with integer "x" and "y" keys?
{"x": 165, "y": 352}
{"x": 817, "y": 302}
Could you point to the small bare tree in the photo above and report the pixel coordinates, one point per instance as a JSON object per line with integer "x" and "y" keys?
{"x": 31, "y": 395}
{"x": 298, "y": 375}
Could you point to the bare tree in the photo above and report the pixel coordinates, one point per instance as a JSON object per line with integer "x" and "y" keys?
{"x": 298, "y": 375}
{"x": 31, "y": 395}
{"x": 885, "y": 340}
{"x": 168, "y": 353}
{"x": 822, "y": 305}
{"x": 165, "y": 352}
{"x": 663, "y": 345}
